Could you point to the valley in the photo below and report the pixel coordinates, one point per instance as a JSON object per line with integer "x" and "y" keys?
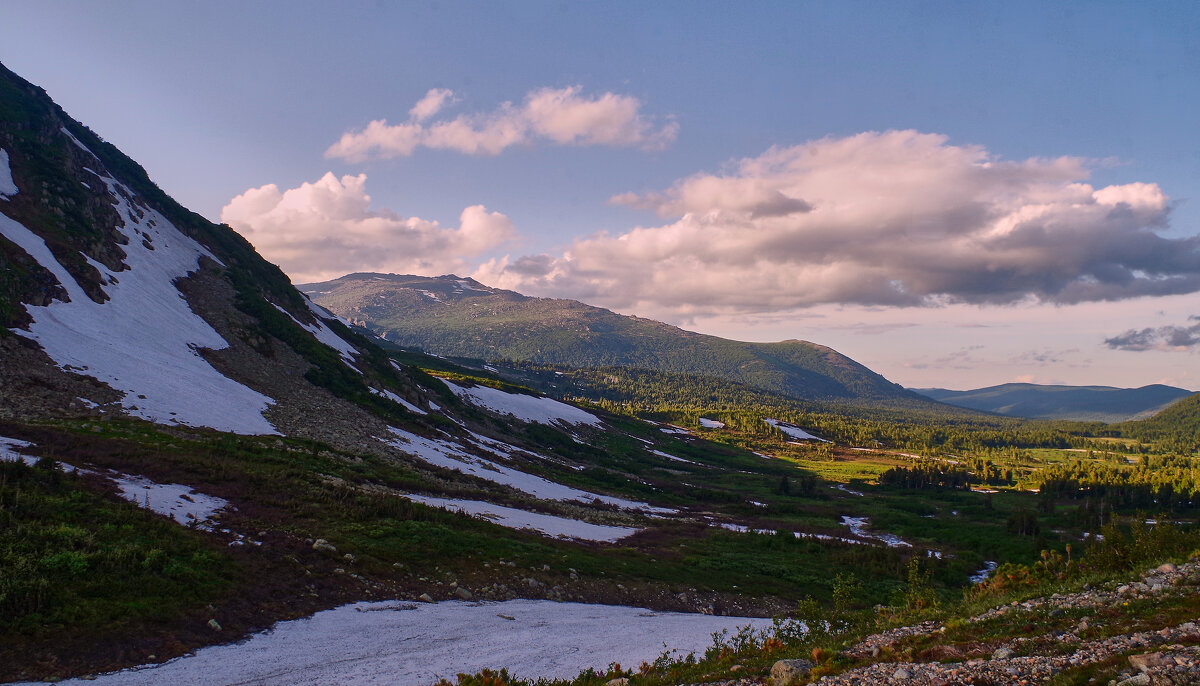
{"x": 192, "y": 452}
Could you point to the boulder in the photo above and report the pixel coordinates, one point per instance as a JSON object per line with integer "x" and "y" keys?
{"x": 785, "y": 672}
{"x": 324, "y": 546}
{"x": 425, "y": 598}
{"x": 463, "y": 593}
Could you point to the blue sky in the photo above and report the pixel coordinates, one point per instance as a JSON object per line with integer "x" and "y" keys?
{"x": 220, "y": 100}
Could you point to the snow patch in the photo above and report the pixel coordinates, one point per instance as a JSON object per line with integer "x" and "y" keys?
{"x": 858, "y": 527}
{"x": 398, "y": 400}
{"x": 144, "y": 341}
{"x": 514, "y": 518}
{"x": 181, "y": 503}
{"x": 395, "y": 643}
{"x": 429, "y": 294}
{"x": 672, "y": 457}
{"x": 794, "y": 431}
{"x": 711, "y": 424}
{"x": 454, "y": 456}
{"x": 526, "y": 408}
{"x": 75, "y": 140}
{"x": 8, "y": 187}
{"x": 321, "y": 331}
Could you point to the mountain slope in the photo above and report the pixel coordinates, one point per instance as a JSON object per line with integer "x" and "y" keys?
{"x": 460, "y": 317}
{"x": 1079, "y": 403}
{"x": 191, "y": 450}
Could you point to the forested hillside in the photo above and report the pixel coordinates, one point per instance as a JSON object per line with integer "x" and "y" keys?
{"x": 460, "y": 317}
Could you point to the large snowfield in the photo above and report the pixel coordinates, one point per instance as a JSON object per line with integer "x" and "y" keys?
{"x": 399, "y": 644}
{"x": 144, "y": 340}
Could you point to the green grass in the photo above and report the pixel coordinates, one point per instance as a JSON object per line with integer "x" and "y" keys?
{"x": 74, "y": 557}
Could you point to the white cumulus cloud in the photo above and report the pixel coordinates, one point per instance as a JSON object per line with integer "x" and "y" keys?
{"x": 325, "y": 229}
{"x": 565, "y": 116}
{"x": 895, "y": 218}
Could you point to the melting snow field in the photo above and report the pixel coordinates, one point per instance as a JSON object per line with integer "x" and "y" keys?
{"x": 794, "y": 431}
{"x": 165, "y": 380}
{"x": 179, "y": 502}
{"x": 453, "y": 456}
{"x": 511, "y": 517}
{"x": 396, "y": 643}
{"x": 526, "y": 408}
{"x": 711, "y": 424}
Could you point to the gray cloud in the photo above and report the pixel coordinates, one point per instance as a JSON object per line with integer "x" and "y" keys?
{"x": 1172, "y": 338}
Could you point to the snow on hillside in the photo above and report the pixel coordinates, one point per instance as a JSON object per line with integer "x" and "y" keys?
{"x": 711, "y": 424}
{"x": 526, "y": 408}
{"x": 144, "y": 340}
{"x": 7, "y": 186}
{"x": 794, "y": 431}
{"x": 398, "y": 400}
{"x": 454, "y": 456}
{"x": 179, "y": 502}
{"x": 409, "y": 644}
{"x": 513, "y": 518}
{"x": 326, "y": 335}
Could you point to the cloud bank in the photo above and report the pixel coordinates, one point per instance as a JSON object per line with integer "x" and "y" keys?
{"x": 897, "y": 218}
{"x": 1166, "y": 338}
{"x": 563, "y": 116}
{"x": 325, "y": 229}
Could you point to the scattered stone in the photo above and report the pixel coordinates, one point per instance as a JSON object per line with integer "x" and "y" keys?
{"x": 324, "y": 546}
{"x": 425, "y": 598}
{"x": 785, "y": 672}
{"x": 901, "y": 674}
{"x": 1167, "y": 568}
{"x": 619, "y": 681}
{"x": 214, "y": 625}
{"x": 1151, "y": 661}
{"x": 463, "y": 593}
{"x": 1002, "y": 653}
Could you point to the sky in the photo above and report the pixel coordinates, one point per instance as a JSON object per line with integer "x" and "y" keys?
{"x": 954, "y": 194}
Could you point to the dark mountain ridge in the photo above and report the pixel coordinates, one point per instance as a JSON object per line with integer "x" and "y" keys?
{"x": 1079, "y": 403}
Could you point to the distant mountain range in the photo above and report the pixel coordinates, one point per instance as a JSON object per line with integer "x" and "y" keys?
{"x": 1081, "y": 403}
{"x": 453, "y": 316}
